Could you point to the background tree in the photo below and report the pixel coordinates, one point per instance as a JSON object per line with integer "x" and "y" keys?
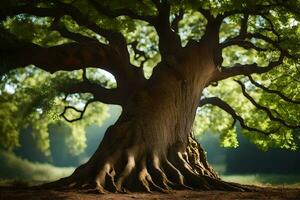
{"x": 189, "y": 45}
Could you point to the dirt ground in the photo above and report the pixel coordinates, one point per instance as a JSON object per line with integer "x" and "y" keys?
{"x": 267, "y": 193}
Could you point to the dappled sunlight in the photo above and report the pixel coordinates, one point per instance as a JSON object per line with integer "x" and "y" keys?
{"x": 102, "y": 77}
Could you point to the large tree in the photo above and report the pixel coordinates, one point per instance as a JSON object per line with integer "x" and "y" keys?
{"x": 194, "y": 49}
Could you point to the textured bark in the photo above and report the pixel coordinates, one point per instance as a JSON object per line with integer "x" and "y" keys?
{"x": 151, "y": 147}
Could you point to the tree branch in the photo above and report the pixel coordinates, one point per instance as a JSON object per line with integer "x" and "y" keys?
{"x": 116, "y": 52}
{"x": 71, "y": 56}
{"x": 242, "y": 43}
{"x": 240, "y": 40}
{"x": 108, "y": 96}
{"x": 116, "y": 40}
{"x": 64, "y": 32}
{"x": 265, "y": 109}
{"x": 289, "y": 8}
{"x": 177, "y": 19}
{"x": 227, "y": 108}
{"x": 60, "y": 9}
{"x": 244, "y": 24}
{"x": 169, "y": 40}
{"x": 77, "y": 37}
{"x": 206, "y": 13}
{"x": 137, "y": 53}
{"x": 255, "y": 10}
{"x": 272, "y": 28}
{"x": 282, "y": 96}
{"x": 77, "y": 110}
{"x": 246, "y": 70}
{"x": 105, "y": 10}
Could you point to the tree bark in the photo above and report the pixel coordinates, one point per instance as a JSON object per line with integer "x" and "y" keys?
{"x": 150, "y": 147}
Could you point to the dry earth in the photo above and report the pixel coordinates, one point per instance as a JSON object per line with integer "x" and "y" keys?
{"x": 267, "y": 193}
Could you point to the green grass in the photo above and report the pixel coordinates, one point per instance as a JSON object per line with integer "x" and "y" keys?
{"x": 281, "y": 180}
{"x": 15, "y": 169}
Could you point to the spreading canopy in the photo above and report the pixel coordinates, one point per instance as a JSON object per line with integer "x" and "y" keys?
{"x": 63, "y": 44}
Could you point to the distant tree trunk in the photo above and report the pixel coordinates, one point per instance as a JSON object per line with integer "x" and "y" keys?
{"x": 151, "y": 147}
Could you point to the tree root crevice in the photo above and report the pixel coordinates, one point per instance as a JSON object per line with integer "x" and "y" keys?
{"x": 161, "y": 175}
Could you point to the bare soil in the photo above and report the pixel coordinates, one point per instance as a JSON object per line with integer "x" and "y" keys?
{"x": 267, "y": 193}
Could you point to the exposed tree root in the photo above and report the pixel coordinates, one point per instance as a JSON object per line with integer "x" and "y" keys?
{"x": 148, "y": 172}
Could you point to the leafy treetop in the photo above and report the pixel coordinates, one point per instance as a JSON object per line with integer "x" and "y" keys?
{"x": 257, "y": 53}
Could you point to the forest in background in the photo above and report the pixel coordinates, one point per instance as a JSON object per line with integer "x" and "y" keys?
{"x": 27, "y": 163}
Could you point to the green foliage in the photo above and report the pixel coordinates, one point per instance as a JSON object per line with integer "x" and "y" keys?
{"x": 30, "y": 98}
{"x": 284, "y": 78}
{"x": 192, "y": 26}
{"x": 212, "y": 119}
{"x": 19, "y": 170}
{"x": 34, "y": 29}
{"x": 101, "y": 77}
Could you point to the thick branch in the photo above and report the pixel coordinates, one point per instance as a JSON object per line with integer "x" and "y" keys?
{"x": 227, "y": 108}
{"x": 119, "y": 63}
{"x": 244, "y": 24}
{"x": 265, "y": 109}
{"x": 282, "y": 96}
{"x": 169, "y": 40}
{"x": 206, "y": 13}
{"x": 71, "y": 56}
{"x": 108, "y": 96}
{"x": 116, "y": 40}
{"x": 60, "y": 9}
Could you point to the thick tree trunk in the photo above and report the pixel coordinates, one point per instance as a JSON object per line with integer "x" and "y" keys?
{"x": 151, "y": 147}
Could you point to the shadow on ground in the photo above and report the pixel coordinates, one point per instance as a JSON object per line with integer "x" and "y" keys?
{"x": 266, "y": 193}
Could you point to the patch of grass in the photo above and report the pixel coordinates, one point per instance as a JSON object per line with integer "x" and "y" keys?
{"x": 14, "y": 168}
{"x": 279, "y": 180}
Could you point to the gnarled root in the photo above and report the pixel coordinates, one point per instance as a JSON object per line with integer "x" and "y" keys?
{"x": 139, "y": 170}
